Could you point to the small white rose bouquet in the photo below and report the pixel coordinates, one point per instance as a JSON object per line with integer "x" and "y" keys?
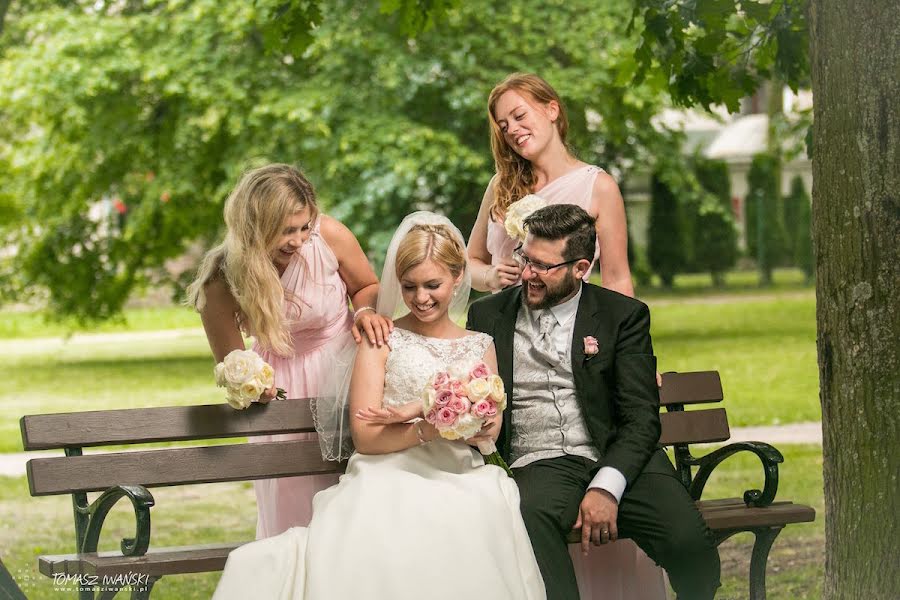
{"x": 245, "y": 376}
{"x": 518, "y": 211}
{"x": 459, "y": 400}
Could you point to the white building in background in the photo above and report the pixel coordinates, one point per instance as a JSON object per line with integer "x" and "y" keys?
{"x": 734, "y": 138}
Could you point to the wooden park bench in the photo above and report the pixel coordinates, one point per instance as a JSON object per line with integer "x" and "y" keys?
{"x": 130, "y": 474}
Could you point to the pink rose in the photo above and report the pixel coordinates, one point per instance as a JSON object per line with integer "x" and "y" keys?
{"x": 456, "y": 386}
{"x": 492, "y": 411}
{"x": 445, "y": 417}
{"x": 459, "y": 405}
{"x": 431, "y": 417}
{"x": 442, "y": 398}
{"x": 441, "y": 379}
{"x": 591, "y": 347}
{"x": 482, "y": 408}
{"x": 480, "y": 371}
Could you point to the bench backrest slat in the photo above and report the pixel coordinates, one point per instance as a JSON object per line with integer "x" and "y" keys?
{"x": 698, "y": 387}
{"x": 176, "y": 466}
{"x": 140, "y": 425}
{"x": 694, "y": 427}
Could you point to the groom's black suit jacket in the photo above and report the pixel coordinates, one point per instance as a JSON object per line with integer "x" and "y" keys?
{"x": 616, "y": 387}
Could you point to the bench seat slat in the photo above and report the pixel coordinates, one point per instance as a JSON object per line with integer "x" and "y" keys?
{"x": 697, "y": 387}
{"x": 176, "y": 466}
{"x": 731, "y": 513}
{"x": 164, "y": 561}
{"x": 174, "y": 423}
{"x": 693, "y": 427}
{"x": 743, "y": 517}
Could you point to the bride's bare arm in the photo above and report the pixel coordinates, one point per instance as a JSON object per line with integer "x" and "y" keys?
{"x": 367, "y": 396}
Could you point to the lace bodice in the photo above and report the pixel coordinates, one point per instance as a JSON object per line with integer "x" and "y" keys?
{"x": 414, "y": 358}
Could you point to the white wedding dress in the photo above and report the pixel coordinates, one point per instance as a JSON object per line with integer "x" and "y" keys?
{"x": 432, "y": 521}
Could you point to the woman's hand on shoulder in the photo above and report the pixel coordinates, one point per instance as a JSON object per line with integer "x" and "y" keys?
{"x": 377, "y": 328}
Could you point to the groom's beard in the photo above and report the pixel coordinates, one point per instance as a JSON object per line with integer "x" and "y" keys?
{"x": 553, "y": 293}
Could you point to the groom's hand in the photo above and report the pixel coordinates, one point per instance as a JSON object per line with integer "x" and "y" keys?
{"x": 597, "y": 518}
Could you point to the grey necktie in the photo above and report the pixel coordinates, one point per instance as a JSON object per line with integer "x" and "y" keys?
{"x": 546, "y": 325}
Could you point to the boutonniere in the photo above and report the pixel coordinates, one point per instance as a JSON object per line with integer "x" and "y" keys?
{"x": 591, "y": 347}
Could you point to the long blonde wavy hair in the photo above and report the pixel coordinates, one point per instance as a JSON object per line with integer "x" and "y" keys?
{"x": 515, "y": 175}
{"x": 255, "y": 214}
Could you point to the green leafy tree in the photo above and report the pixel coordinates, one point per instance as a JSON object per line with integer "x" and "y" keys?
{"x": 715, "y": 233}
{"x": 132, "y": 120}
{"x": 719, "y": 51}
{"x": 765, "y": 216}
{"x": 797, "y": 215}
{"x": 665, "y": 239}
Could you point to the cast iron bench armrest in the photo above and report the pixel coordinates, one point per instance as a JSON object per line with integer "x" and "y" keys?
{"x": 768, "y": 455}
{"x": 141, "y": 500}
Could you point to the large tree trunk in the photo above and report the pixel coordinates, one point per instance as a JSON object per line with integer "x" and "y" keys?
{"x": 856, "y": 227}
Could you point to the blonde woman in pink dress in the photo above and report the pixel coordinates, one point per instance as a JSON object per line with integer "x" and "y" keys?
{"x": 528, "y": 140}
{"x": 284, "y": 274}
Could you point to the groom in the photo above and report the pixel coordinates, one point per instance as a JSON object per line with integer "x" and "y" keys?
{"x": 582, "y": 429}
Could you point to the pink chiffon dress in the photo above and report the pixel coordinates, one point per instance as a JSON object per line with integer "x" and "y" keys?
{"x": 318, "y": 315}
{"x": 619, "y": 571}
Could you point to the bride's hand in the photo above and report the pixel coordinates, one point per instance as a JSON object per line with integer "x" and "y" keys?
{"x": 488, "y": 431}
{"x": 387, "y": 415}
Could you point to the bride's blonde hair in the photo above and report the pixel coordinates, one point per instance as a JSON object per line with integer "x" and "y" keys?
{"x": 435, "y": 242}
{"x": 515, "y": 175}
{"x": 255, "y": 214}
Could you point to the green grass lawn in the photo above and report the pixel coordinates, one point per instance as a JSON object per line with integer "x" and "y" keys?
{"x": 225, "y": 513}
{"x": 765, "y": 351}
{"x": 736, "y": 282}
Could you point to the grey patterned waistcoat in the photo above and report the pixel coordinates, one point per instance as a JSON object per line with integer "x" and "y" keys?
{"x": 547, "y": 420}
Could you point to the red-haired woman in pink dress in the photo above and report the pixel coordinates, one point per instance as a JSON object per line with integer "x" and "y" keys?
{"x": 528, "y": 140}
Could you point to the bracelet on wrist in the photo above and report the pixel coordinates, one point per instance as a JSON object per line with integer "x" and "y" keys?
{"x": 419, "y": 434}
{"x": 359, "y": 311}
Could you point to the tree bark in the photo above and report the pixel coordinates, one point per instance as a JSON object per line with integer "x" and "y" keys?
{"x": 855, "y": 51}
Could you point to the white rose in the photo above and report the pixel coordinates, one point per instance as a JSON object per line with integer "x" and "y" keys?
{"x": 220, "y": 375}
{"x": 497, "y": 389}
{"x": 460, "y": 370}
{"x": 234, "y": 398}
{"x": 428, "y": 395}
{"x": 266, "y": 375}
{"x": 467, "y": 426}
{"x": 478, "y": 389}
{"x": 251, "y": 390}
{"x": 518, "y": 211}
{"x": 240, "y": 366}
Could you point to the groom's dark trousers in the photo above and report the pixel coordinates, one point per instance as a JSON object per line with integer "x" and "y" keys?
{"x": 617, "y": 393}
{"x": 656, "y": 512}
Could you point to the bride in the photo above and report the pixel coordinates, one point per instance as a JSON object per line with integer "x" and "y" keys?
{"x": 414, "y": 516}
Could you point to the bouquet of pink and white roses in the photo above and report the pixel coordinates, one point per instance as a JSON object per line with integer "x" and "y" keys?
{"x": 245, "y": 376}
{"x": 461, "y": 399}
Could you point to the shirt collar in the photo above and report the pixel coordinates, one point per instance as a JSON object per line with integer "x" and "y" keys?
{"x": 564, "y": 312}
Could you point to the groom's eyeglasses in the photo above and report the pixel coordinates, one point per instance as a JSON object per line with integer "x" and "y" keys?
{"x": 539, "y": 268}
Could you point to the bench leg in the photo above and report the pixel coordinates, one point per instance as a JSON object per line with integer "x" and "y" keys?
{"x": 143, "y": 592}
{"x": 759, "y": 559}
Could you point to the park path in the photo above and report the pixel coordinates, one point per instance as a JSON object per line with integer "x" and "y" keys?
{"x": 13, "y": 464}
